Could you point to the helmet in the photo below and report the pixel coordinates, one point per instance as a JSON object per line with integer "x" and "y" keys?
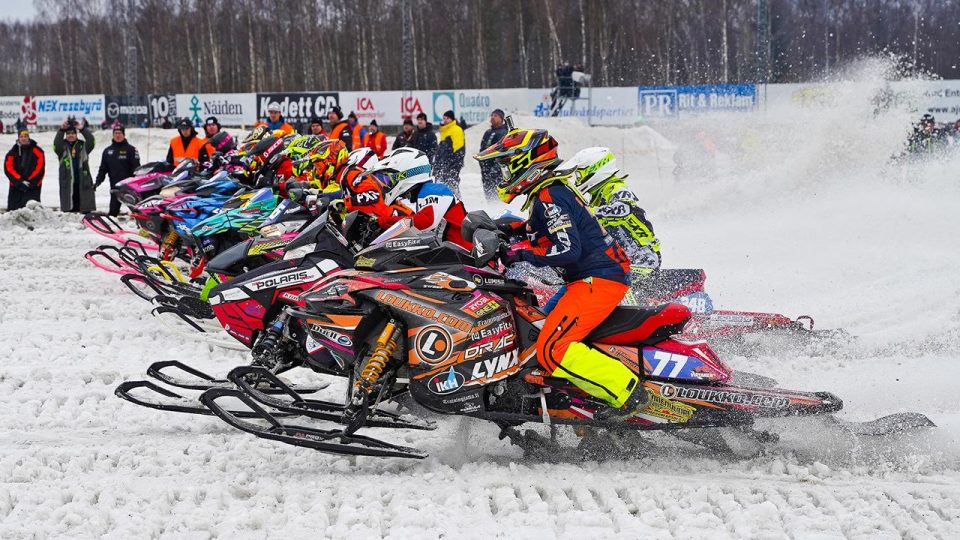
{"x": 223, "y": 142}
{"x": 365, "y": 158}
{"x": 323, "y": 161}
{"x": 301, "y": 144}
{"x": 256, "y": 134}
{"x": 401, "y": 170}
{"x": 592, "y": 167}
{"x": 525, "y": 156}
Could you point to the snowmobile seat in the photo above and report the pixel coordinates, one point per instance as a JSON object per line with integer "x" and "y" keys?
{"x": 630, "y": 325}
{"x": 669, "y": 283}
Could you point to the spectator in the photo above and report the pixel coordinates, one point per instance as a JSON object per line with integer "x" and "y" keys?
{"x": 450, "y": 153}
{"x": 425, "y": 139}
{"x": 316, "y": 126}
{"x": 76, "y": 182}
{"x": 489, "y": 170}
{"x": 358, "y": 131}
{"x": 275, "y": 119}
{"x": 187, "y": 144}
{"x": 24, "y": 166}
{"x": 1, "y": 126}
{"x": 220, "y": 140}
{"x": 406, "y": 135}
{"x": 166, "y": 124}
{"x": 119, "y": 161}
{"x": 339, "y": 128}
{"x": 375, "y": 139}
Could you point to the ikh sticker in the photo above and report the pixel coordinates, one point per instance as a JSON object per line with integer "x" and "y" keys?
{"x": 446, "y": 382}
{"x": 434, "y": 345}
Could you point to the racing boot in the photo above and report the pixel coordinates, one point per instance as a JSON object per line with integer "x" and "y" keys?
{"x": 604, "y": 378}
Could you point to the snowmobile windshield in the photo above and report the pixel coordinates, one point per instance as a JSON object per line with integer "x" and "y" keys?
{"x": 306, "y": 238}
{"x": 152, "y": 167}
{"x": 186, "y": 166}
{"x": 260, "y": 196}
{"x": 401, "y": 229}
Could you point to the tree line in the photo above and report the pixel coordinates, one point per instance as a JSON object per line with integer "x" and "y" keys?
{"x": 179, "y": 46}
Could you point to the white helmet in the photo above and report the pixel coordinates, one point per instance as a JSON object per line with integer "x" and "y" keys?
{"x": 401, "y": 170}
{"x": 362, "y": 157}
{"x": 592, "y": 167}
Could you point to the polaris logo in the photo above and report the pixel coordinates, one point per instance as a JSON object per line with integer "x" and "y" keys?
{"x": 286, "y": 279}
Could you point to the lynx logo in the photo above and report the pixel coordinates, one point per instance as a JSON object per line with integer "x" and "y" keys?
{"x": 434, "y": 344}
{"x": 659, "y": 103}
{"x": 446, "y": 382}
{"x": 285, "y": 279}
{"x": 488, "y": 369}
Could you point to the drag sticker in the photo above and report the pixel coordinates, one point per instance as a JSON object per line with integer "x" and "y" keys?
{"x": 434, "y": 345}
{"x": 724, "y": 397}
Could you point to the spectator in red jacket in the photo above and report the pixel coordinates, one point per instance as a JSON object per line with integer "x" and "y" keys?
{"x": 375, "y": 139}
{"x": 24, "y": 167}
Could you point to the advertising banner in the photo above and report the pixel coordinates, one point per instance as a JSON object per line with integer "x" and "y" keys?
{"x": 129, "y": 111}
{"x": 384, "y": 107}
{"x": 229, "y": 109}
{"x": 614, "y": 106}
{"x": 671, "y": 101}
{"x": 163, "y": 109}
{"x": 53, "y": 110}
{"x": 11, "y": 110}
{"x": 475, "y": 106}
{"x": 299, "y": 107}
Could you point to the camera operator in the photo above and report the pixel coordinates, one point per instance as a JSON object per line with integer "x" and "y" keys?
{"x": 76, "y": 182}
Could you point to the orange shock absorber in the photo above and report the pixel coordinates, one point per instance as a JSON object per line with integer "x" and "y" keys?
{"x": 168, "y": 242}
{"x": 386, "y": 346}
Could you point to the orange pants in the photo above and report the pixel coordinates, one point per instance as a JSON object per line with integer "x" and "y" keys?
{"x": 581, "y": 309}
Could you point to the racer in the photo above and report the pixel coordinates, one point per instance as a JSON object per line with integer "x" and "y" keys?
{"x": 596, "y": 270}
{"x": 617, "y": 209}
{"x": 411, "y": 191}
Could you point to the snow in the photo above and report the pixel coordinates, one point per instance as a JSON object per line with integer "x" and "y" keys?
{"x": 804, "y": 218}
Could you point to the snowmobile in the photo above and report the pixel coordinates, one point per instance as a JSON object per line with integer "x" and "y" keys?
{"x": 439, "y": 323}
{"x": 149, "y": 180}
{"x": 245, "y": 299}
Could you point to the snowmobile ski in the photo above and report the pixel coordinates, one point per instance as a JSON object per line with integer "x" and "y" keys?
{"x": 249, "y": 378}
{"x": 203, "y": 381}
{"x": 169, "y": 400}
{"x": 329, "y": 441}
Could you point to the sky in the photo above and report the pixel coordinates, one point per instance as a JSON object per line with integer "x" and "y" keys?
{"x": 17, "y": 10}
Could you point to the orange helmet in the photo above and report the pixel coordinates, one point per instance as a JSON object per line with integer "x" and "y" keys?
{"x": 525, "y": 156}
{"x": 323, "y": 162}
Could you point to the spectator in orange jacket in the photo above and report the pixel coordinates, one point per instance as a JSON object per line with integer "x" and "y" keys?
{"x": 24, "y": 167}
{"x": 358, "y": 132}
{"x": 275, "y": 120}
{"x": 375, "y": 139}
